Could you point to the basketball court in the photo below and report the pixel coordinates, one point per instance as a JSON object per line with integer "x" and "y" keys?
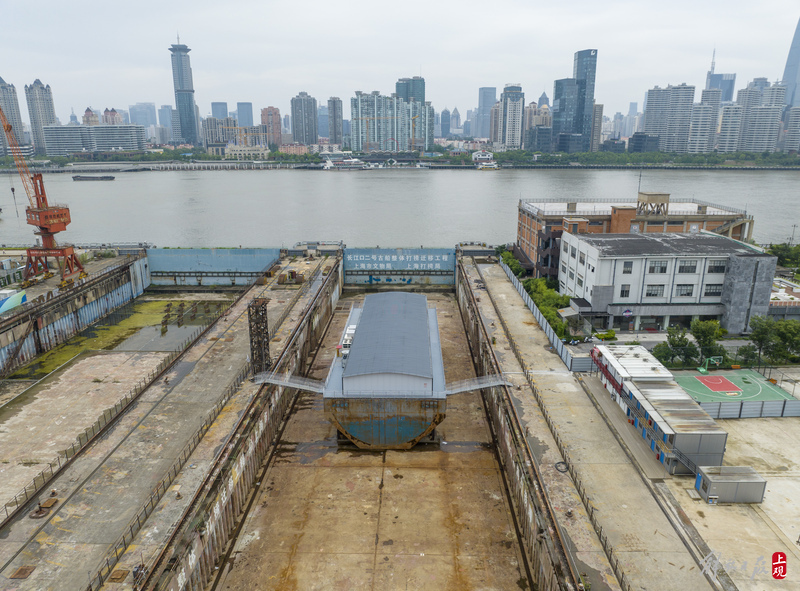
{"x": 730, "y": 386}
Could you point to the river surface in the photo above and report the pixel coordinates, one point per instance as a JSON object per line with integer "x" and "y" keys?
{"x": 368, "y": 208}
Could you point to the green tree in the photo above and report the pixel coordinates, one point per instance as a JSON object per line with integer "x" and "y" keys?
{"x": 664, "y": 353}
{"x": 681, "y": 346}
{"x": 706, "y": 333}
{"x": 762, "y": 333}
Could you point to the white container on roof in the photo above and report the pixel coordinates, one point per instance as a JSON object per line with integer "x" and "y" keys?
{"x": 634, "y": 362}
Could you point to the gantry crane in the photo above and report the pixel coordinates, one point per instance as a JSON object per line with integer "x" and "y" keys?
{"x": 49, "y": 219}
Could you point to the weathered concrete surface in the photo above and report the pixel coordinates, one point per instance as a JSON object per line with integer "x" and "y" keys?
{"x": 744, "y": 536}
{"x": 434, "y": 517}
{"x": 110, "y": 482}
{"x": 46, "y": 420}
{"x": 650, "y": 550}
{"x": 581, "y": 538}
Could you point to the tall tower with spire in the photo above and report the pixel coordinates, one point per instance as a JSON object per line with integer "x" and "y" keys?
{"x": 791, "y": 74}
{"x": 725, "y": 82}
{"x": 184, "y": 92}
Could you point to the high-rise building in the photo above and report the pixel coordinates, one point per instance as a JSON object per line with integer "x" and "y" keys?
{"x": 287, "y": 123}
{"x": 703, "y": 127}
{"x": 165, "y": 119}
{"x": 487, "y": 97}
{"x": 566, "y": 97}
{"x": 496, "y": 123}
{"x": 10, "y": 105}
{"x": 41, "y": 111}
{"x": 762, "y": 109}
{"x": 245, "y": 114}
{"x": 111, "y": 117}
{"x": 219, "y": 110}
{"x": 584, "y": 71}
{"x": 410, "y": 89}
{"x": 792, "y": 140}
{"x": 730, "y": 128}
{"x": 73, "y": 118}
{"x": 389, "y": 123}
{"x": 597, "y": 127}
{"x": 544, "y": 101}
{"x": 90, "y": 117}
{"x": 184, "y": 93}
{"x": 455, "y": 119}
{"x": 322, "y": 120}
{"x": 669, "y": 116}
{"x": 512, "y": 104}
{"x": 335, "y": 121}
{"x": 724, "y": 82}
{"x": 271, "y": 117}
{"x": 143, "y": 114}
{"x": 791, "y": 73}
{"x": 444, "y": 122}
{"x": 304, "y": 119}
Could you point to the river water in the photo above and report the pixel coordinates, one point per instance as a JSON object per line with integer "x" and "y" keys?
{"x": 368, "y": 208}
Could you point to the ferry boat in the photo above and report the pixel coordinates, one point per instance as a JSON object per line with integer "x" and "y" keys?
{"x": 487, "y": 166}
{"x": 345, "y": 164}
{"x": 82, "y": 177}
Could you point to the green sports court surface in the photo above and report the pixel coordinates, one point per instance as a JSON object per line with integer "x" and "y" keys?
{"x": 730, "y": 386}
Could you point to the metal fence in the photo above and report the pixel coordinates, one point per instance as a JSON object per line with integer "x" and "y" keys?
{"x": 573, "y": 362}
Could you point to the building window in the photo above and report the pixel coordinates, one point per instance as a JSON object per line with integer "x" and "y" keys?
{"x": 582, "y": 258}
{"x": 654, "y": 291}
{"x": 627, "y": 267}
{"x": 564, "y": 268}
{"x": 566, "y": 248}
{"x": 573, "y": 251}
{"x": 684, "y": 290}
{"x": 717, "y": 266}
{"x": 687, "y": 266}
{"x": 625, "y": 291}
{"x": 657, "y": 267}
{"x": 571, "y": 274}
{"x": 713, "y": 289}
{"x": 580, "y": 282}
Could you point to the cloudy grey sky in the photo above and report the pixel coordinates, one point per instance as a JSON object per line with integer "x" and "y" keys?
{"x": 116, "y": 54}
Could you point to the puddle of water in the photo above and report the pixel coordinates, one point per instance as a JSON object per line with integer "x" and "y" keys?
{"x": 136, "y": 326}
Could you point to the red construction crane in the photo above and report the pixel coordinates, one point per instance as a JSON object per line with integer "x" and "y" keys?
{"x": 49, "y": 219}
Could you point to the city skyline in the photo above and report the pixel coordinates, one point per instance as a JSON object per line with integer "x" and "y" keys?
{"x": 749, "y": 41}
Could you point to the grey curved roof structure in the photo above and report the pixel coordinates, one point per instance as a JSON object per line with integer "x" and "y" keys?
{"x": 392, "y": 337}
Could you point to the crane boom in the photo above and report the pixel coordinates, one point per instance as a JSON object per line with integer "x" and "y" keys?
{"x": 48, "y": 219}
{"x": 22, "y": 167}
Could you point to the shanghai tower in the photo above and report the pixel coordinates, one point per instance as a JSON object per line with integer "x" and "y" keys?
{"x": 791, "y": 74}
{"x": 184, "y": 92}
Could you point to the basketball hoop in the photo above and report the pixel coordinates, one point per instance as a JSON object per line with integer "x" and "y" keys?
{"x": 716, "y": 360}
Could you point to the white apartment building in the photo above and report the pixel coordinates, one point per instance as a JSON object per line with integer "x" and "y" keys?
{"x": 651, "y": 281}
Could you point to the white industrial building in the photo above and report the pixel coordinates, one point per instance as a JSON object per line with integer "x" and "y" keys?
{"x": 651, "y": 281}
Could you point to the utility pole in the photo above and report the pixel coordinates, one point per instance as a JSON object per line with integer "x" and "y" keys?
{"x": 791, "y": 240}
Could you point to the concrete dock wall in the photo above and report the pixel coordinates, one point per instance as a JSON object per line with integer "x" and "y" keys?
{"x": 399, "y": 266}
{"x": 209, "y": 266}
{"x": 549, "y": 565}
{"x": 198, "y": 552}
{"x": 41, "y": 326}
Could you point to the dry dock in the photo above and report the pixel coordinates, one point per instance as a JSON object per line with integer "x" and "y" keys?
{"x": 209, "y": 481}
{"x": 433, "y": 517}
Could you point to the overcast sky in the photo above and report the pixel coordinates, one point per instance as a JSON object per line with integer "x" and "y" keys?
{"x": 116, "y": 54}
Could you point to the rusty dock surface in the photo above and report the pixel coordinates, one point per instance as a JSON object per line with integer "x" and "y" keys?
{"x": 433, "y": 517}
{"x": 104, "y": 488}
